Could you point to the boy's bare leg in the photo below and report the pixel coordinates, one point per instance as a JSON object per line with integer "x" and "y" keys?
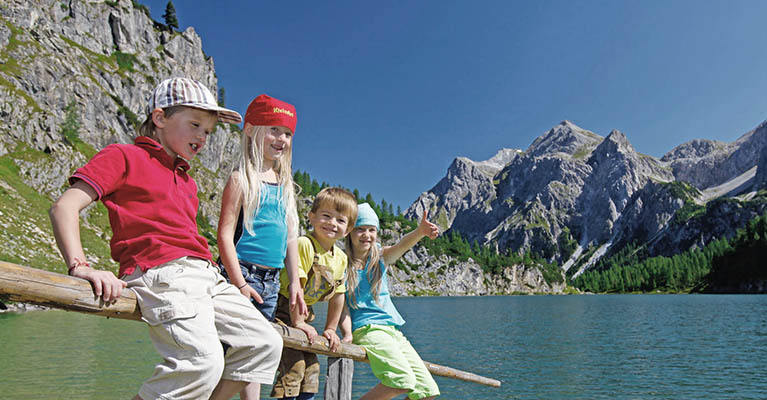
{"x": 251, "y": 392}
{"x": 381, "y": 392}
{"x": 226, "y": 389}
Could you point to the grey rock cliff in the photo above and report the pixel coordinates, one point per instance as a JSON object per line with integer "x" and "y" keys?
{"x": 706, "y": 163}
{"x": 467, "y": 185}
{"x": 102, "y": 59}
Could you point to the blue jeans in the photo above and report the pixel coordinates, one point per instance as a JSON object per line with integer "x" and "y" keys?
{"x": 302, "y": 396}
{"x": 266, "y": 282}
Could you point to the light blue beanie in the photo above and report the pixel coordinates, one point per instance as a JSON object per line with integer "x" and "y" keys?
{"x": 366, "y": 216}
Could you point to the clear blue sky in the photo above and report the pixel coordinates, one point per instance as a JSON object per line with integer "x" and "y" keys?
{"x": 390, "y": 92}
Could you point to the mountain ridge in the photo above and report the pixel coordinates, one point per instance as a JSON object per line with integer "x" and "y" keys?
{"x": 574, "y": 185}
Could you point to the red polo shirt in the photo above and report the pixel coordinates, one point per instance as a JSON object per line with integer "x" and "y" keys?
{"x": 152, "y": 204}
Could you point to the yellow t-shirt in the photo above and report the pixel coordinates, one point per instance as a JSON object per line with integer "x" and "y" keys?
{"x": 335, "y": 259}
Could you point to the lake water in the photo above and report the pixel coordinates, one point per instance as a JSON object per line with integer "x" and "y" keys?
{"x": 540, "y": 347}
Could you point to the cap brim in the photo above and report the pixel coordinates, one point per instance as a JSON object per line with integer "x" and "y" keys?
{"x": 225, "y": 115}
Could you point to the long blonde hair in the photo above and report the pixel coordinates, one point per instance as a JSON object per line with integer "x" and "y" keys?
{"x": 250, "y": 163}
{"x": 375, "y": 275}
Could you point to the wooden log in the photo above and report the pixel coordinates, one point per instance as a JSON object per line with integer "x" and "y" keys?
{"x": 338, "y": 382}
{"x": 447, "y": 372}
{"x": 51, "y": 289}
{"x": 45, "y": 288}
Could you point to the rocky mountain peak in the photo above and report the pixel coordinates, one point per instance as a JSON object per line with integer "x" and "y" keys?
{"x": 708, "y": 163}
{"x": 467, "y": 184}
{"x": 502, "y": 158}
{"x": 614, "y": 146}
{"x": 565, "y": 137}
{"x": 693, "y": 149}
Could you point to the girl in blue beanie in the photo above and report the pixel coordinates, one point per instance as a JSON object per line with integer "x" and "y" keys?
{"x": 369, "y": 317}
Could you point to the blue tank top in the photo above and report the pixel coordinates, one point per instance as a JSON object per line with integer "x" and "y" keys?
{"x": 269, "y": 242}
{"x": 368, "y": 312}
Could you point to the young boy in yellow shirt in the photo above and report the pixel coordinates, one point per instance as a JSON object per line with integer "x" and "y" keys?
{"x": 322, "y": 273}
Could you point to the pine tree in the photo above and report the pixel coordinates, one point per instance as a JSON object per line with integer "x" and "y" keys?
{"x": 170, "y": 16}
{"x": 71, "y": 127}
{"x": 221, "y": 97}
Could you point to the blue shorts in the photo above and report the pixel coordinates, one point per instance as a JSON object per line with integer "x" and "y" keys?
{"x": 266, "y": 282}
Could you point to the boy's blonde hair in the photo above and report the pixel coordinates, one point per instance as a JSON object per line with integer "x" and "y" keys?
{"x": 356, "y": 261}
{"x": 338, "y": 199}
{"x": 250, "y": 163}
{"x": 148, "y": 127}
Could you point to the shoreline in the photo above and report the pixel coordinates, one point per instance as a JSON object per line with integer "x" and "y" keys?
{"x": 21, "y": 308}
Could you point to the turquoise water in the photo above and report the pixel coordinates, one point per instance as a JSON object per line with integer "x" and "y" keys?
{"x": 540, "y": 347}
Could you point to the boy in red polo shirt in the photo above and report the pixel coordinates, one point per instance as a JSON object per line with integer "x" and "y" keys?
{"x": 152, "y": 204}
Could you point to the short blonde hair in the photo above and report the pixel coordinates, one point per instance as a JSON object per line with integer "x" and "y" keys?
{"x": 338, "y": 199}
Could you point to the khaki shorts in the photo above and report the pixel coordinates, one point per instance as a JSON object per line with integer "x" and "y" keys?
{"x": 191, "y": 311}
{"x": 299, "y": 371}
{"x": 394, "y": 361}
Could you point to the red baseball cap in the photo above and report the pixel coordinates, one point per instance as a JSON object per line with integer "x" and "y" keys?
{"x": 268, "y": 111}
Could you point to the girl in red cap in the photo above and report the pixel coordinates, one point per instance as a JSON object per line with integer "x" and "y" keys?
{"x": 258, "y": 224}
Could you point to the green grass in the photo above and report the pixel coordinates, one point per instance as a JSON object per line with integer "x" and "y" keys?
{"x": 26, "y": 234}
{"x": 582, "y": 152}
{"x": 129, "y": 115}
{"x": 538, "y": 222}
{"x": 125, "y": 61}
{"x": 98, "y": 61}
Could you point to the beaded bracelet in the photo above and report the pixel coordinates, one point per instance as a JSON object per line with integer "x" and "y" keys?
{"x": 78, "y": 263}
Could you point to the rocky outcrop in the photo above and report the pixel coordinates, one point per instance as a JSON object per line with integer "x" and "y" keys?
{"x": 89, "y": 65}
{"x": 419, "y": 273}
{"x": 720, "y": 219}
{"x": 760, "y": 179}
{"x": 618, "y": 172}
{"x": 706, "y": 163}
{"x": 467, "y": 185}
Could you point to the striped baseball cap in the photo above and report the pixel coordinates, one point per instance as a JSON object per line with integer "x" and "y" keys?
{"x": 190, "y": 93}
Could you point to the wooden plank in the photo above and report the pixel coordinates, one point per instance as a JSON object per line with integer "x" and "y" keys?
{"x": 338, "y": 382}
{"x": 36, "y": 286}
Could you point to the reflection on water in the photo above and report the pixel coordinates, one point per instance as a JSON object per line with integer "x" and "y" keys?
{"x": 540, "y": 347}
{"x": 73, "y": 356}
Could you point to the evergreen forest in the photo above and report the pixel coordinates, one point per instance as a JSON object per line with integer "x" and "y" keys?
{"x": 721, "y": 266}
